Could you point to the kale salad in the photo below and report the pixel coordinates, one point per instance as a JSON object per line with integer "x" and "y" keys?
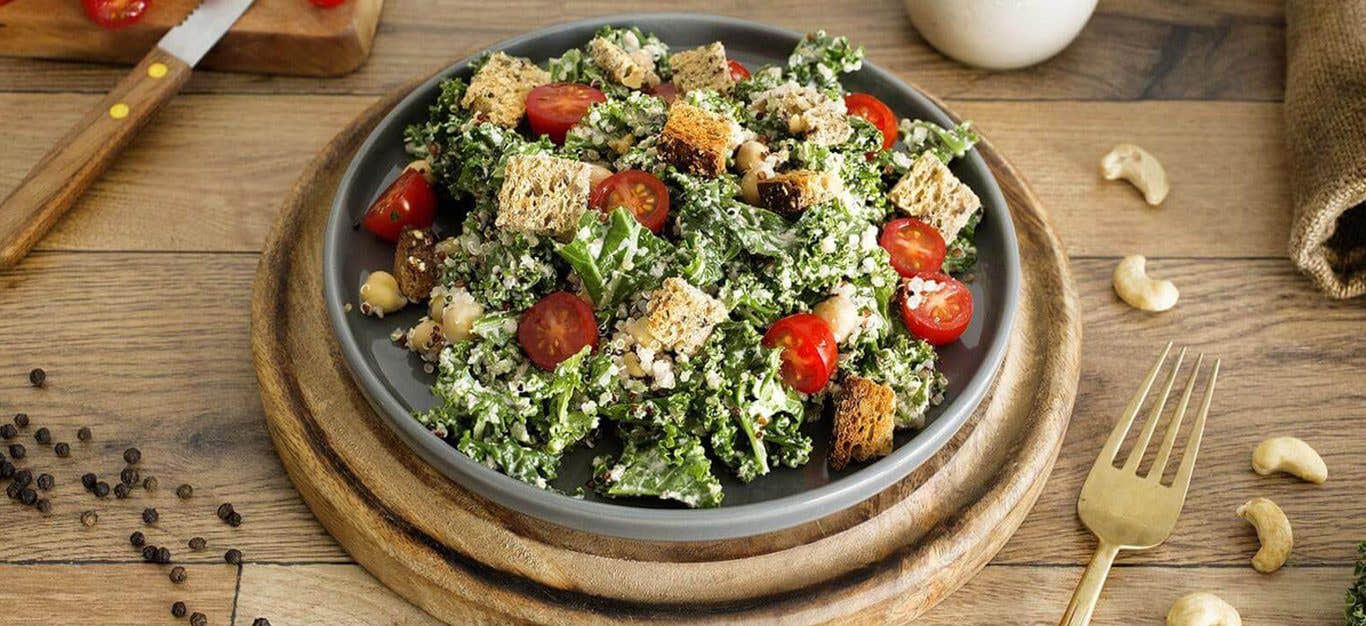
{"x": 696, "y": 261}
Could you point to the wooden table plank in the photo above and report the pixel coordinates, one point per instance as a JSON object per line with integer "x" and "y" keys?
{"x": 1206, "y": 49}
{"x": 210, "y": 172}
{"x": 112, "y": 594}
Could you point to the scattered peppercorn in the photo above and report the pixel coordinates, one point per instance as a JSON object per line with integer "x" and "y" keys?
{"x": 45, "y": 481}
{"x": 12, "y": 491}
{"x": 132, "y": 455}
{"x": 149, "y": 553}
{"x": 88, "y": 480}
{"x": 137, "y": 539}
{"x": 37, "y": 377}
{"x": 8, "y": 431}
{"x": 42, "y": 436}
{"x": 43, "y": 506}
{"x": 150, "y": 483}
{"x": 21, "y": 420}
{"x": 235, "y": 519}
{"x": 101, "y": 489}
{"x": 17, "y": 451}
{"x": 23, "y": 477}
{"x": 224, "y": 510}
{"x": 178, "y": 609}
{"x": 83, "y": 433}
{"x": 89, "y": 518}
{"x": 178, "y": 574}
{"x": 184, "y": 492}
{"x": 197, "y": 544}
{"x": 129, "y": 476}
{"x": 149, "y": 515}
{"x": 198, "y": 619}
{"x": 233, "y": 556}
{"x": 63, "y": 449}
{"x": 260, "y": 621}
{"x": 163, "y": 555}
{"x": 6, "y": 468}
{"x": 28, "y": 496}
{"x": 121, "y": 491}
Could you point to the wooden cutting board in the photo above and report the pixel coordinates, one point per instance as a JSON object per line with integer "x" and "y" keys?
{"x": 274, "y": 36}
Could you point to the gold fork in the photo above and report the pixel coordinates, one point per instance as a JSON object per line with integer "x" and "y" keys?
{"x": 1126, "y": 511}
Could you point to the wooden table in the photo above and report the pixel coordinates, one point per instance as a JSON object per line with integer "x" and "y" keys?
{"x": 137, "y": 306}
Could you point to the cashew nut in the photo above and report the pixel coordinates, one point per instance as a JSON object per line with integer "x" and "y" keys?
{"x": 840, "y": 313}
{"x": 597, "y": 174}
{"x": 1202, "y": 609}
{"x": 1140, "y": 168}
{"x": 749, "y": 186}
{"x": 750, "y": 155}
{"x": 1133, "y": 285}
{"x": 1273, "y": 531}
{"x": 1290, "y": 455}
{"x": 380, "y": 295}
{"x": 459, "y": 314}
{"x": 426, "y": 339}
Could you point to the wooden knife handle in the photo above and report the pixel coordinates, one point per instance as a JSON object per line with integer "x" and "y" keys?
{"x": 84, "y": 152}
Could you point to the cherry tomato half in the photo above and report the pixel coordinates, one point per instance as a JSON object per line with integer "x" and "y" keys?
{"x": 326, "y": 4}
{"x": 556, "y": 328}
{"x": 809, "y": 350}
{"x": 115, "y": 14}
{"x": 880, "y": 115}
{"x": 915, "y": 247}
{"x": 555, "y": 108}
{"x": 667, "y": 91}
{"x": 939, "y": 316}
{"x": 640, "y": 192}
{"x": 737, "y": 71}
{"x": 408, "y": 202}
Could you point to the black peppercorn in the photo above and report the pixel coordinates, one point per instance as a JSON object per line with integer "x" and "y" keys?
{"x": 178, "y": 574}
{"x": 150, "y": 483}
{"x": 42, "y": 436}
{"x": 224, "y": 510}
{"x": 197, "y": 544}
{"x": 260, "y": 621}
{"x": 121, "y": 491}
{"x": 184, "y": 492}
{"x": 63, "y": 449}
{"x": 83, "y": 433}
{"x": 23, "y": 477}
{"x": 17, "y": 451}
{"x": 37, "y": 377}
{"x": 6, "y": 468}
{"x": 198, "y": 619}
{"x": 149, "y": 553}
{"x": 137, "y": 539}
{"x": 28, "y": 496}
{"x": 21, "y": 420}
{"x": 45, "y": 481}
{"x": 149, "y": 515}
{"x": 178, "y": 609}
{"x": 43, "y": 506}
{"x": 90, "y": 518}
{"x": 12, "y": 491}
{"x": 163, "y": 555}
{"x": 235, "y": 519}
{"x": 8, "y": 431}
{"x": 101, "y": 489}
{"x": 233, "y": 556}
{"x": 132, "y": 455}
{"x": 88, "y": 480}
{"x": 129, "y": 476}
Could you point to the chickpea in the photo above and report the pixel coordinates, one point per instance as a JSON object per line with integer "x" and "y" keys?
{"x": 447, "y": 248}
{"x": 380, "y": 295}
{"x": 459, "y": 315}
{"x": 597, "y": 174}
{"x": 423, "y": 167}
{"x": 427, "y": 339}
{"x": 750, "y": 155}
{"x": 749, "y": 186}
{"x": 633, "y": 365}
{"x": 840, "y": 313}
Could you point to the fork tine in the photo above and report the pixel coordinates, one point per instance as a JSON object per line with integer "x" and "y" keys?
{"x": 1165, "y": 452}
{"x": 1155, "y": 414}
{"x": 1107, "y": 454}
{"x": 1183, "y": 475}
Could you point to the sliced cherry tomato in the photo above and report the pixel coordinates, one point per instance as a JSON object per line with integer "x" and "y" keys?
{"x": 555, "y": 108}
{"x": 875, "y": 111}
{"x": 556, "y": 328}
{"x": 667, "y": 91}
{"x": 326, "y": 4}
{"x": 915, "y": 247}
{"x": 115, "y": 14}
{"x": 938, "y": 314}
{"x": 809, "y": 350}
{"x": 737, "y": 71}
{"x": 639, "y": 191}
{"x": 408, "y": 202}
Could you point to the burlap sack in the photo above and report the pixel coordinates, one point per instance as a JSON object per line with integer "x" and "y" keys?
{"x": 1325, "y": 114}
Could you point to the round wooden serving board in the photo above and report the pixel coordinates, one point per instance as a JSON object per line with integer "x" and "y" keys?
{"x": 467, "y": 560}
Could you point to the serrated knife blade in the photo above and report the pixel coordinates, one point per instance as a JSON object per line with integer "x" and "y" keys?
{"x": 204, "y": 26}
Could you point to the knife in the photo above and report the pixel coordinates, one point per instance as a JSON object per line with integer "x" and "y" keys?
{"x": 85, "y": 151}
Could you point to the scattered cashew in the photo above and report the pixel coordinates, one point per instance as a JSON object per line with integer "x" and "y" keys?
{"x": 1290, "y": 455}
{"x": 1273, "y": 531}
{"x": 749, "y": 186}
{"x": 1133, "y": 285}
{"x": 380, "y": 295}
{"x": 597, "y": 174}
{"x": 1202, "y": 609}
{"x": 426, "y": 339}
{"x": 1140, "y": 168}
{"x": 840, "y": 313}
{"x": 459, "y": 314}
{"x": 424, "y": 168}
{"x": 750, "y": 155}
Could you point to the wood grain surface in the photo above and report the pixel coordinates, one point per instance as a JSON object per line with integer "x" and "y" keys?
{"x": 138, "y": 306}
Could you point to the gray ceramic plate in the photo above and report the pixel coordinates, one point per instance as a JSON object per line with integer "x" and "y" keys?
{"x": 396, "y": 384}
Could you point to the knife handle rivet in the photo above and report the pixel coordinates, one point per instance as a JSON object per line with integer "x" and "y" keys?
{"x": 156, "y": 70}
{"x": 118, "y": 111}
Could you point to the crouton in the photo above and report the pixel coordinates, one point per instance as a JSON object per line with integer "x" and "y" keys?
{"x": 543, "y": 194}
{"x": 416, "y": 267}
{"x": 499, "y": 89}
{"x": 825, "y": 125}
{"x": 702, "y": 68}
{"x": 863, "y": 422}
{"x": 806, "y": 111}
{"x": 930, "y": 192}
{"x": 621, "y": 66}
{"x": 678, "y": 317}
{"x": 793, "y": 192}
{"x": 696, "y": 140}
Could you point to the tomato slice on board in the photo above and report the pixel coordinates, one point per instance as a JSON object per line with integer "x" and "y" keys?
{"x": 667, "y": 91}
{"x": 809, "y": 350}
{"x": 326, "y": 4}
{"x": 115, "y": 14}
{"x": 556, "y": 328}
{"x": 409, "y": 201}
{"x": 640, "y": 192}
{"x": 555, "y": 108}
{"x": 875, "y": 111}
{"x": 737, "y": 70}
{"x": 915, "y": 247}
{"x": 940, "y": 314}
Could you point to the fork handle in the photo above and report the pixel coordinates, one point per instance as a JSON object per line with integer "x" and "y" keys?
{"x": 1088, "y": 589}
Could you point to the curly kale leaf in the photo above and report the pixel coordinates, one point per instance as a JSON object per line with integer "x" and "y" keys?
{"x": 673, "y": 469}
{"x": 819, "y": 60}
{"x": 906, "y": 365}
{"x": 946, "y": 144}
{"x": 709, "y": 208}
{"x": 1356, "y": 594}
{"x": 962, "y": 251}
{"x": 444, "y": 118}
{"x": 617, "y": 259}
{"x": 502, "y": 269}
{"x": 619, "y": 122}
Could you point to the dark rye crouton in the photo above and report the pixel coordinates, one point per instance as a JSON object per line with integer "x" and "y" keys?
{"x": 416, "y": 268}
{"x": 864, "y": 421}
{"x": 695, "y": 140}
{"x": 796, "y": 191}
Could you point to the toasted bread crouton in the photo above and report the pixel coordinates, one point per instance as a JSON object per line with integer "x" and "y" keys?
{"x": 678, "y": 317}
{"x": 498, "y": 90}
{"x": 931, "y": 192}
{"x": 621, "y": 66}
{"x": 806, "y": 111}
{"x": 702, "y": 68}
{"x": 792, "y": 192}
{"x": 863, "y": 422}
{"x": 696, "y": 140}
{"x": 543, "y": 194}
{"x": 825, "y": 125}
{"x": 416, "y": 267}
